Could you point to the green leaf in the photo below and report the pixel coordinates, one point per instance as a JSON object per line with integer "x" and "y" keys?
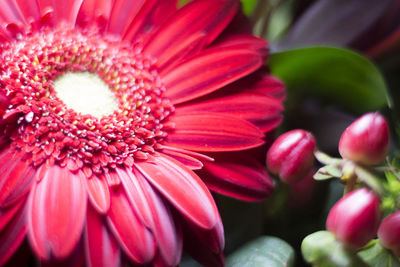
{"x": 248, "y": 6}
{"x": 335, "y": 75}
{"x": 265, "y": 251}
{"x": 376, "y": 255}
{"x": 322, "y": 250}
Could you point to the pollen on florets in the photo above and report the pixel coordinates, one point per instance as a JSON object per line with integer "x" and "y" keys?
{"x": 50, "y": 130}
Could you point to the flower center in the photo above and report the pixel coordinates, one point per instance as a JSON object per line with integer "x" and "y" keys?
{"x": 86, "y": 93}
{"x": 85, "y": 101}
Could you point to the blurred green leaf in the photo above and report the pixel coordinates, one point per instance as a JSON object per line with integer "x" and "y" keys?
{"x": 248, "y": 6}
{"x": 335, "y": 75}
{"x": 378, "y": 256}
{"x": 266, "y": 251}
{"x": 322, "y": 250}
{"x": 182, "y": 2}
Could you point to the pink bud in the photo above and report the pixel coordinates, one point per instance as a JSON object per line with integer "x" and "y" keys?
{"x": 366, "y": 140}
{"x": 291, "y": 156}
{"x": 389, "y": 232}
{"x": 354, "y": 219}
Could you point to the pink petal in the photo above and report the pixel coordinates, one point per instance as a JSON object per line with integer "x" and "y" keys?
{"x": 188, "y": 161}
{"x": 16, "y": 175}
{"x": 101, "y": 247}
{"x": 246, "y": 181}
{"x": 213, "y": 132}
{"x": 11, "y": 19}
{"x": 99, "y": 194}
{"x": 243, "y": 41}
{"x": 203, "y": 245}
{"x": 122, "y": 14}
{"x": 94, "y": 11}
{"x": 30, "y": 11}
{"x": 192, "y": 154}
{"x": 59, "y": 11}
{"x": 152, "y": 15}
{"x": 260, "y": 110}
{"x": 208, "y": 17}
{"x": 183, "y": 189}
{"x": 133, "y": 237}
{"x": 208, "y": 72}
{"x": 152, "y": 212}
{"x": 12, "y": 235}
{"x": 6, "y": 214}
{"x": 57, "y": 211}
{"x": 261, "y": 83}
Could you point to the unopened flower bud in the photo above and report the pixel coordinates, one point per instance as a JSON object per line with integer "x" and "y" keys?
{"x": 389, "y": 233}
{"x": 355, "y": 218}
{"x": 366, "y": 140}
{"x": 291, "y": 156}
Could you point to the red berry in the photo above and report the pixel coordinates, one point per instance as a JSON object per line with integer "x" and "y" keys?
{"x": 291, "y": 156}
{"x": 366, "y": 140}
{"x": 355, "y": 218}
{"x": 389, "y": 232}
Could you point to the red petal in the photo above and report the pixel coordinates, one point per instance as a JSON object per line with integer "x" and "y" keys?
{"x": 6, "y": 214}
{"x": 30, "y": 11}
{"x": 196, "y": 155}
{"x": 183, "y": 188}
{"x": 244, "y": 41}
{"x": 208, "y": 72}
{"x": 122, "y": 14}
{"x": 12, "y": 236}
{"x": 208, "y": 17}
{"x": 11, "y": 19}
{"x": 200, "y": 244}
{"x": 247, "y": 181}
{"x": 101, "y": 247}
{"x": 99, "y": 194}
{"x": 60, "y": 11}
{"x": 57, "y": 211}
{"x": 94, "y": 11}
{"x": 260, "y": 82}
{"x": 153, "y": 14}
{"x": 16, "y": 175}
{"x": 134, "y": 238}
{"x": 213, "y": 132}
{"x": 154, "y": 214}
{"x": 188, "y": 161}
{"x": 260, "y": 110}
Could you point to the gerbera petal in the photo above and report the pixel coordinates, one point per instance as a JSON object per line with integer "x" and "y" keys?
{"x": 260, "y": 110}
{"x": 30, "y": 11}
{"x": 59, "y": 11}
{"x": 152, "y": 15}
{"x": 16, "y": 175}
{"x": 182, "y": 187}
{"x": 6, "y": 214}
{"x": 259, "y": 83}
{"x": 205, "y": 16}
{"x": 204, "y": 246}
{"x": 94, "y": 11}
{"x": 243, "y": 41}
{"x": 213, "y": 132}
{"x": 12, "y": 235}
{"x": 57, "y": 211}
{"x": 208, "y": 72}
{"x": 134, "y": 238}
{"x": 101, "y": 247}
{"x": 188, "y": 161}
{"x": 11, "y": 18}
{"x": 153, "y": 213}
{"x": 122, "y": 14}
{"x": 242, "y": 181}
{"x": 99, "y": 194}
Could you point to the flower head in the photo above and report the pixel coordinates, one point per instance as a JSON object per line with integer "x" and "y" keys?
{"x": 108, "y": 109}
{"x": 366, "y": 140}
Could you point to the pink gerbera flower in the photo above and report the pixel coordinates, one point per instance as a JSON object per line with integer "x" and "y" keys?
{"x": 108, "y": 109}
